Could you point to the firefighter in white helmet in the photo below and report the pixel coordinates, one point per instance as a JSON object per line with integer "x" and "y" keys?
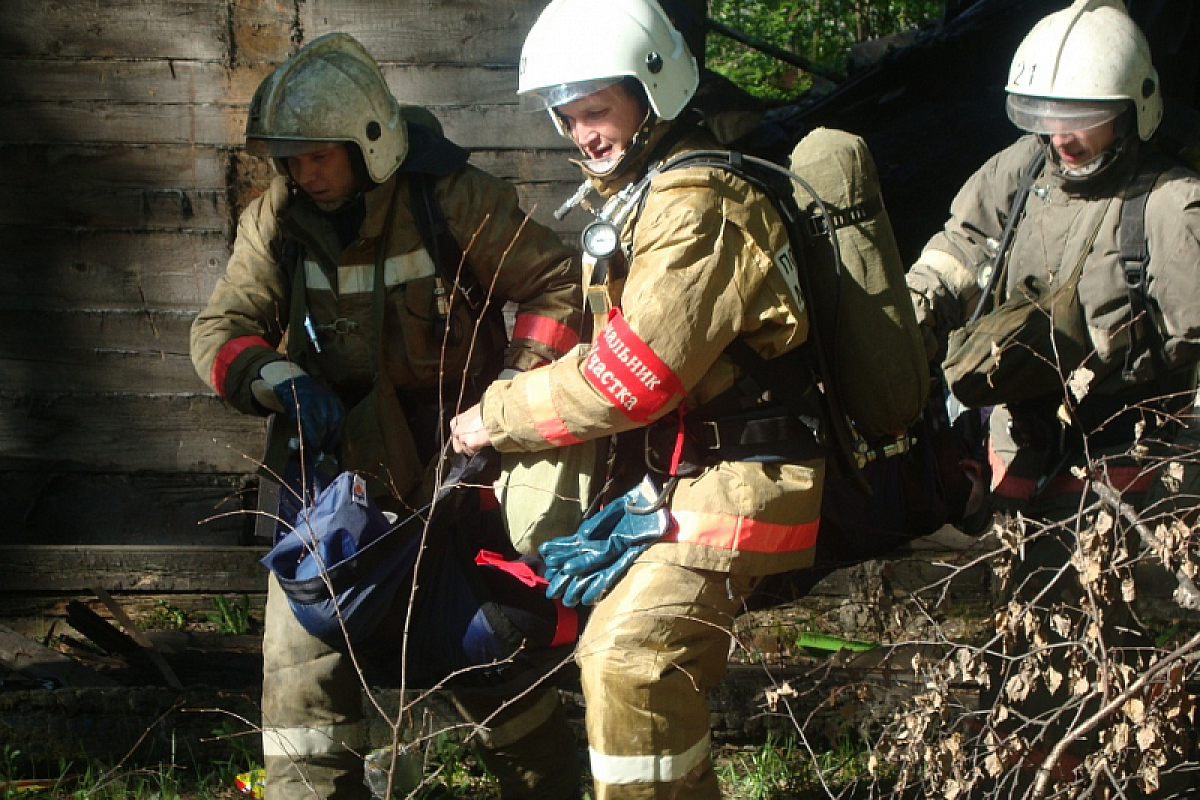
{"x": 700, "y": 252}
{"x": 295, "y": 327}
{"x": 1125, "y": 326}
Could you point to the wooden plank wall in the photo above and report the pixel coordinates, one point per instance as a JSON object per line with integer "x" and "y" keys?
{"x": 122, "y": 175}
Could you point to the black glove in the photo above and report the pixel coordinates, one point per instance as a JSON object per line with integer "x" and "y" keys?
{"x": 316, "y": 410}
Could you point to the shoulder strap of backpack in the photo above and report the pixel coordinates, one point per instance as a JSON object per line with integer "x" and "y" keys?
{"x": 1135, "y": 261}
{"x": 438, "y": 240}
{"x": 999, "y": 265}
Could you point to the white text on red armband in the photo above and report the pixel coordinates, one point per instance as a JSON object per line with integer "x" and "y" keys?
{"x": 623, "y": 368}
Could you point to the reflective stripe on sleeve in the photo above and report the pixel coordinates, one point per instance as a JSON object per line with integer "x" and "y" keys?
{"x": 549, "y": 332}
{"x": 623, "y": 368}
{"x": 732, "y": 532}
{"x": 228, "y": 354}
{"x": 1129, "y": 478}
{"x": 546, "y": 420}
{"x": 312, "y": 741}
{"x": 648, "y": 769}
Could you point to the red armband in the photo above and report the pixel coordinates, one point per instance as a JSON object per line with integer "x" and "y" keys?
{"x": 624, "y": 369}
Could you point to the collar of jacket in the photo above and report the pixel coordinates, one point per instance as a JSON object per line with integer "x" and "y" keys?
{"x": 1110, "y": 181}
{"x": 429, "y": 153}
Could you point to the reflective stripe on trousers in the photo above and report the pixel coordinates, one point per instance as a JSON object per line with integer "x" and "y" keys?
{"x": 312, "y": 712}
{"x": 309, "y": 741}
{"x": 648, "y": 769}
{"x": 652, "y": 650}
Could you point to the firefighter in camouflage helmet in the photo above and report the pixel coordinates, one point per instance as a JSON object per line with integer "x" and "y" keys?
{"x": 295, "y": 327}
{"x": 699, "y": 259}
{"x": 1122, "y": 333}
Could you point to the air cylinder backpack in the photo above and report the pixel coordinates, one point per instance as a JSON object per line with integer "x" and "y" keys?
{"x": 844, "y": 265}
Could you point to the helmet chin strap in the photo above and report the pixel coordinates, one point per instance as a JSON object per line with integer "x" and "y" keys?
{"x": 1085, "y": 173}
{"x": 607, "y": 167}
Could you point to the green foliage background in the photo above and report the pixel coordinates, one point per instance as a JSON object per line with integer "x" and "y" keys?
{"x": 818, "y": 30}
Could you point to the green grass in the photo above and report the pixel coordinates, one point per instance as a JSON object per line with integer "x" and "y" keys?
{"x": 451, "y": 770}
{"x": 231, "y": 617}
{"x": 781, "y": 769}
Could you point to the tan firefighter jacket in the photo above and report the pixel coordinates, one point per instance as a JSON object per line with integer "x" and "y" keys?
{"x": 701, "y": 272}
{"x": 251, "y": 312}
{"x": 1061, "y": 229}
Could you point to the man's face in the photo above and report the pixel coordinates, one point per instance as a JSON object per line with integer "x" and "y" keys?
{"x": 604, "y": 123}
{"x": 1076, "y": 149}
{"x": 325, "y": 175}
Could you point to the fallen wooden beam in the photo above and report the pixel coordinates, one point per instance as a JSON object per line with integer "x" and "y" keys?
{"x": 138, "y": 636}
{"x": 43, "y": 664}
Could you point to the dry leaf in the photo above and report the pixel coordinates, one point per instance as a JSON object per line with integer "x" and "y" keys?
{"x": 1054, "y": 680}
{"x": 1017, "y": 688}
{"x": 1079, "y": 382}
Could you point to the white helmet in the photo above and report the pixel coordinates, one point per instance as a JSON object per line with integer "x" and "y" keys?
{"x": 626, "y": 38}
{"x": 1091, "y": 55}
{"x": 330, "y": 91}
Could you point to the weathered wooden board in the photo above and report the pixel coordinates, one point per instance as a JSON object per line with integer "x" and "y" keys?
{"x": 119, "y": 29}
{"x": 524, "y": 167}
{"x": 95, "y": 351}
{"x": 145, "y": 189}
{"x": 428, "y": 31}
{"x": 44, "y": 508}
{"x": 59, "y": 269}
{"x": 127, "y": 433}
{"x": 120, "y": 568}
{"x": 165, "y": 82}
{"x": 262, "y": 30}
{"x": 172, "y": 82}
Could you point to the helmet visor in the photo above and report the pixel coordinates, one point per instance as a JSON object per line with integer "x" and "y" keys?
{"x": 555, "y": 96}
{"x": 1050, "y": 116}
{"x": 285, "y": 148}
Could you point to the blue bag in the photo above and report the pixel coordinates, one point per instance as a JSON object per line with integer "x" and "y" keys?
{"x": 479, "y": 616}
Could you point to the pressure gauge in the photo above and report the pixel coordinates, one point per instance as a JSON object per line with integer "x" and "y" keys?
{"x": 600, "y": 239}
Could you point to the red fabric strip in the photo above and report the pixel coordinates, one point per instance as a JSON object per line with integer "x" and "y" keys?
{"x": 228, "y": 353}
{"x": 518, "y": 569}
{"x": 566, "y": 625}
{"x": 566, "y": 629}
{"x": 1011, "y": 487}
{"x": 548, "y": 331}
{"x": 731, "y": 532}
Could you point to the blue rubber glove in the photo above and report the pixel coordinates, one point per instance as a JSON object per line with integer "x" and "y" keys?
{"x": 316, "y": 410}
{"x": 582, "y": 566}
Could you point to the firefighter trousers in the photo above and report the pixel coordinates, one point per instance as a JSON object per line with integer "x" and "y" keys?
{"x": 651, "y": 651}
{"x": 314, "y": 736}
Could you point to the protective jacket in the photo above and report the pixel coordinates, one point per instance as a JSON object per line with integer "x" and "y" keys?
{"x": 291, "y": 260}
{"x": 701, "y": 272}
{"x": 1063, "y": 228}
{"x": 282, "y": 236}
